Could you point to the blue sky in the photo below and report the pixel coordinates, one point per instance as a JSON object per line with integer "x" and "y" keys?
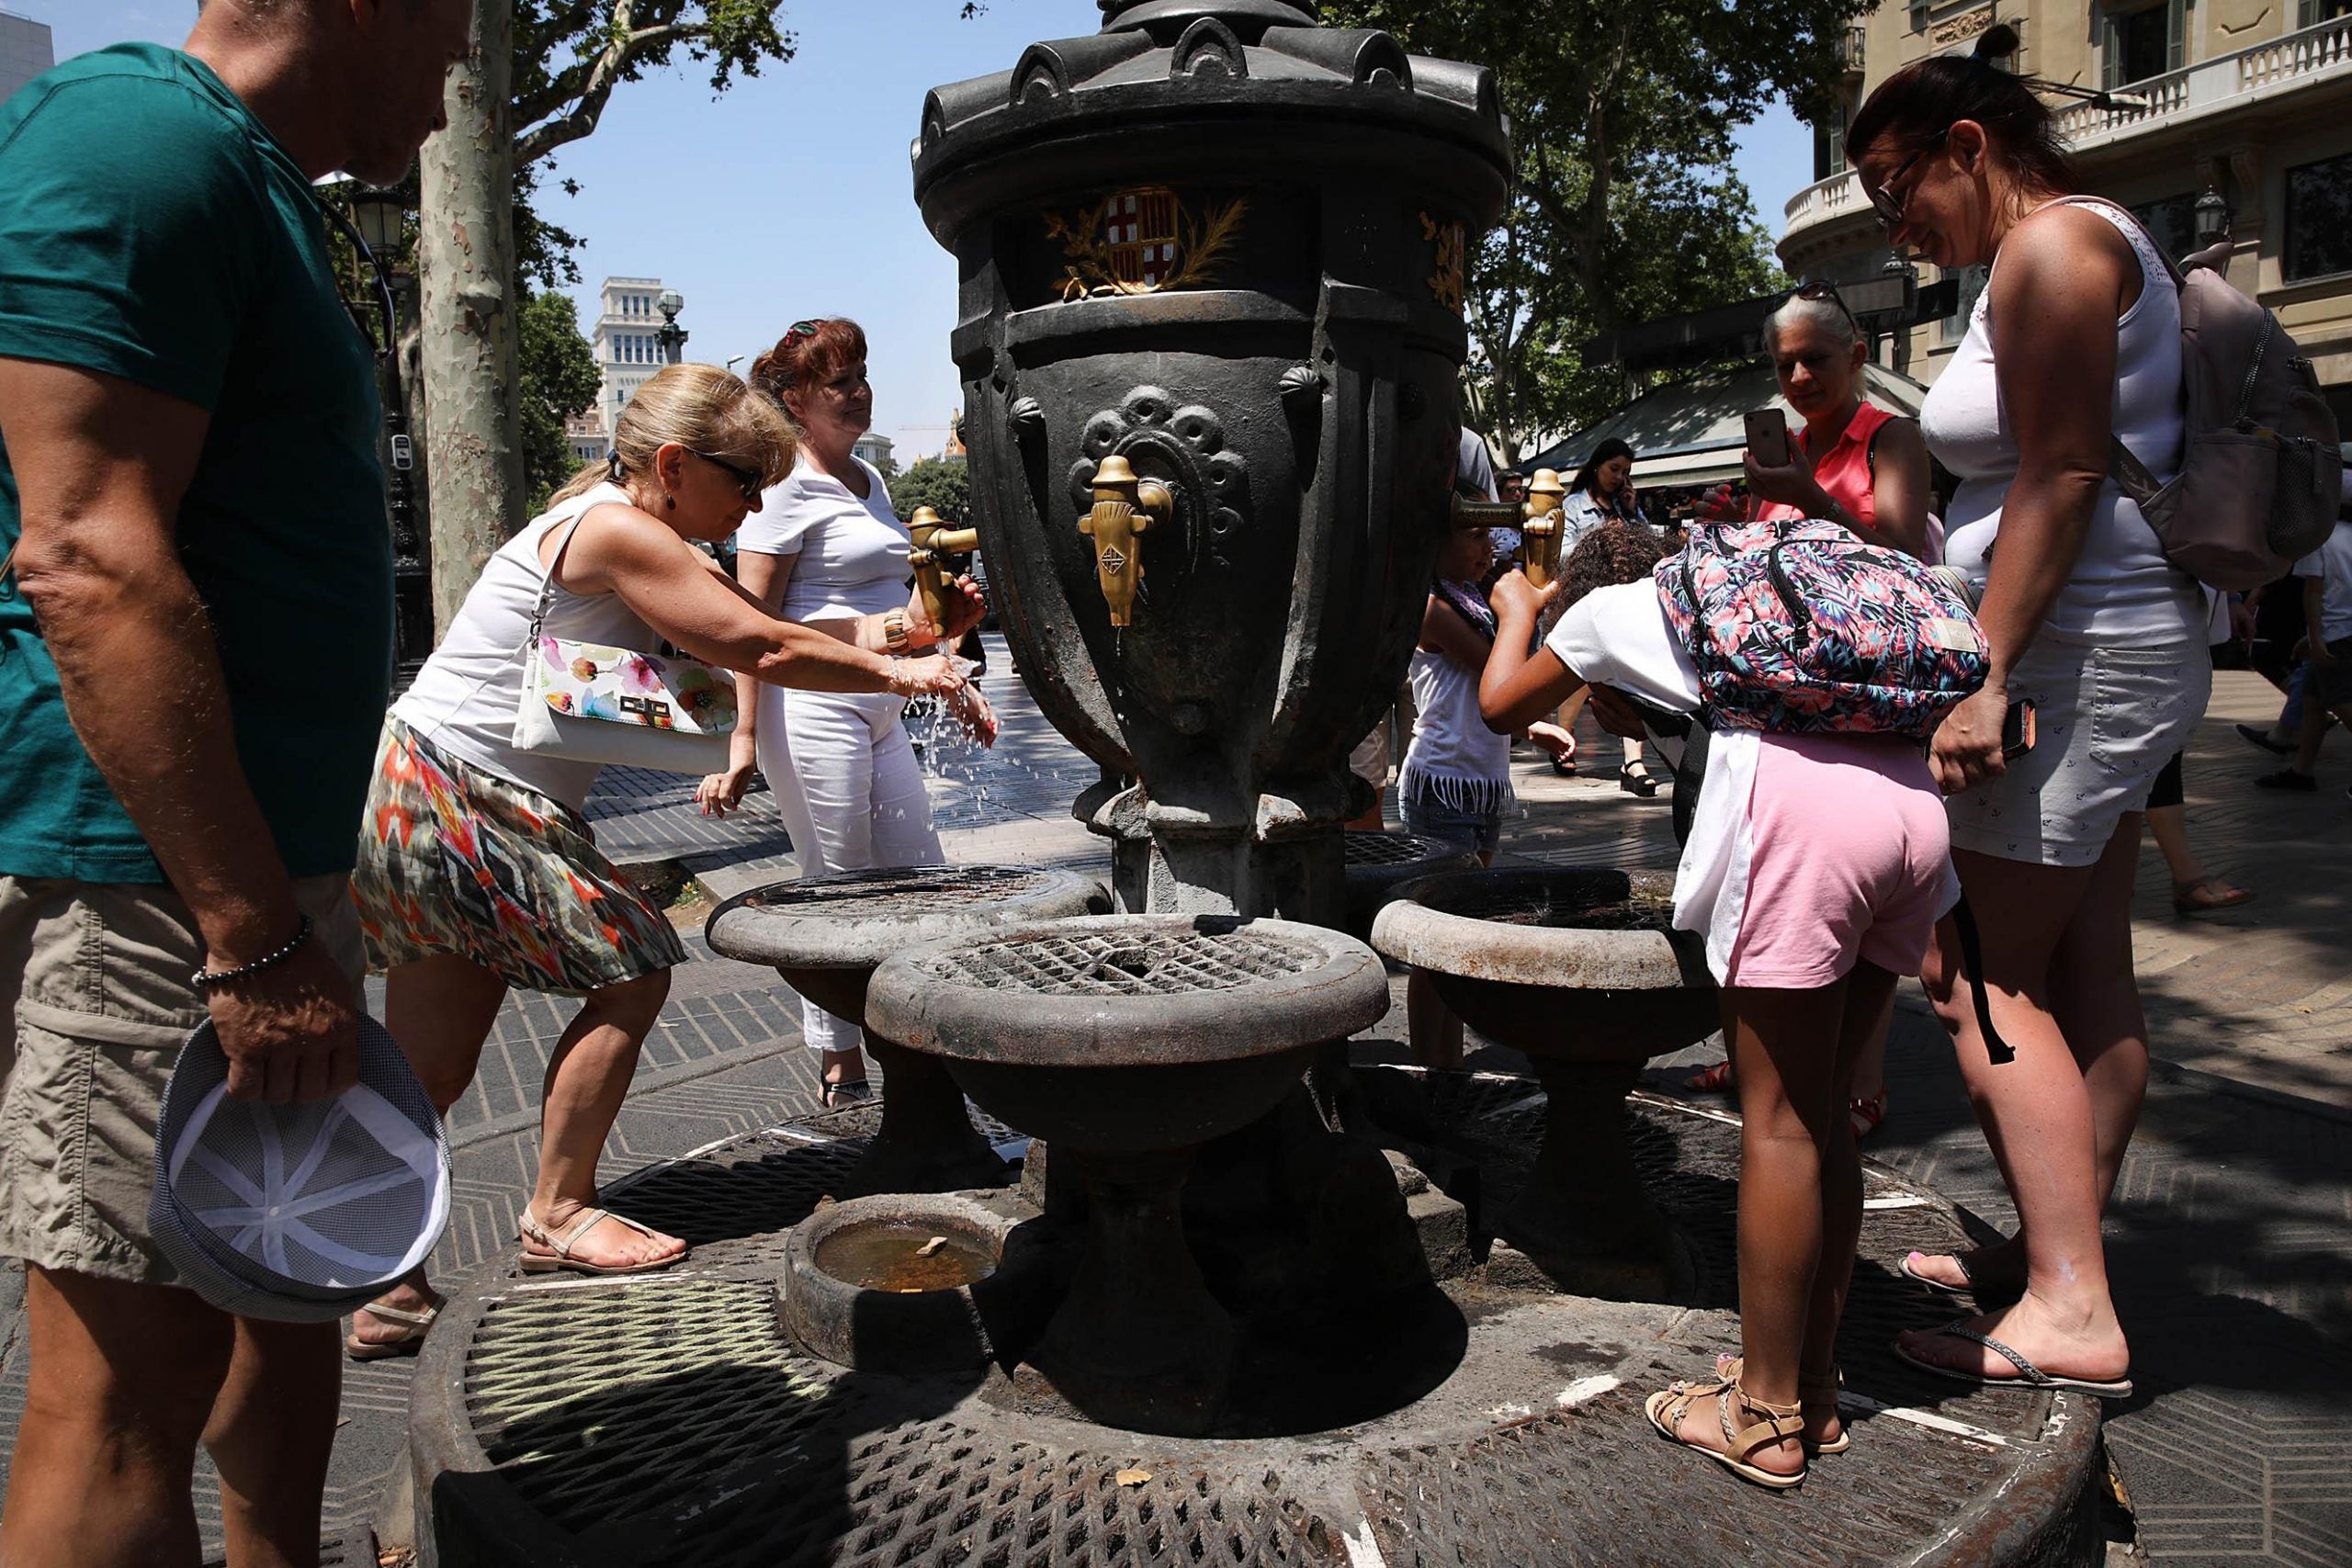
{"x": 790, "y": 195}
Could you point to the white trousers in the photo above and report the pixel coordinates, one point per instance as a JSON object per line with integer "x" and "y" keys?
{"x": 850, "y": 789}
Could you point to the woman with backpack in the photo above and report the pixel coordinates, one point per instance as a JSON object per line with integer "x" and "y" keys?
{"x": 2076, "y": 342}
{"x": 1816, "y": 867}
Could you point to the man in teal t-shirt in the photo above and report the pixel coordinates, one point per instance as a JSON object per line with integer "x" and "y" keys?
{"x": 195, "y": 654}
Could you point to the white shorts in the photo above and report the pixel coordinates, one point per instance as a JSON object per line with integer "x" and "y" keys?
{"x": 2107, "y": 720}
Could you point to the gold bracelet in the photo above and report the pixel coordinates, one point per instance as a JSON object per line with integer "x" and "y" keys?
{"x": 894, "y": 632}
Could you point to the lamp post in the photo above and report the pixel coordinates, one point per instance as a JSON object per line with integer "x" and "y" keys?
{"x": 670, "y": 334}
{"x": 380, "y": 225}
{"x": 2213, "y": 219}
{"x": 1901, "y": 267}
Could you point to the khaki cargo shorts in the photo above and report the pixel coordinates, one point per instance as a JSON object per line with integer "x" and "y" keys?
{"x": 94, "y": 979}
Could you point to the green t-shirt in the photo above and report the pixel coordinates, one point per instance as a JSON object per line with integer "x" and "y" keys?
{"x": 151, "y": 229}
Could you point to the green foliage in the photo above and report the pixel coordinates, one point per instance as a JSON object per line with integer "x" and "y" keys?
{"x": 1626, "y": 207}
{"x": 945, "y": 487}
{"x": 558, "y": 380}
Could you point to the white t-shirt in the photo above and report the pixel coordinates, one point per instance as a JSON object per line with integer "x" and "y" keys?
{"x": 1619, "y": 636}
{"x": 2332, "y": 561}
{"x": 2122, "y": 592}
{"x": 851, "y": 552}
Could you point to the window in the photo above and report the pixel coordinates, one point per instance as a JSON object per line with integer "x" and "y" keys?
{"x": 2138, "y": 44}
{"x": 2319, "y": 219}
{"x": 1830, "y": 144}
{"x": 2171, "y": 223}
{"x": 2311, "y": 13}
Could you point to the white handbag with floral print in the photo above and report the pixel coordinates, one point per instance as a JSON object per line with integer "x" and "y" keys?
{"x": 593, "y": 703}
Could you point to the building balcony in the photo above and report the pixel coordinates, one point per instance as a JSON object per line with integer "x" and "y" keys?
{"x": 2290, "y": 63}
{"x": 1852, "y": 53}
{"x": 1827, "y": 211}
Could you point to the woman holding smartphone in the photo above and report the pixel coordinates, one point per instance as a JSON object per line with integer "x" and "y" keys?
{"x": 2074, "y": 346}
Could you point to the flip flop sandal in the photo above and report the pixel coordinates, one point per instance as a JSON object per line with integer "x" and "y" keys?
{"x": 2028, "y": 1375}
{"x": 560, "y": 1256}
{"x": 856, "y": 1091}
{"x": 1666, "y": 1409}
{"x": 1809, "y": 1391}
{"x": 1967, "y": 1287}
{"x": 413, "y": 1325}
{"x": 2198, "y": 898}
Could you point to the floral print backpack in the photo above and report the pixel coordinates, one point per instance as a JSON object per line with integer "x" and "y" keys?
{"x": 1798, "y": 627}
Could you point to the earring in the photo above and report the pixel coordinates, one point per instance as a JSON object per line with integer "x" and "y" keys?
{"x": 670, "y": 503}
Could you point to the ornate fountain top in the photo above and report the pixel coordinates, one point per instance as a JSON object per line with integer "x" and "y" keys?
{"x": 1127, "y": 16}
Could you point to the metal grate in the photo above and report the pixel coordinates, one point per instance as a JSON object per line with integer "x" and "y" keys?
{"x": 1394, "y": 848}
{"x": 590, "y": 1406}
{"x": 1578, "y": 905}
{"x": 1141, "y": 963}
{"x": 932, "y": 884}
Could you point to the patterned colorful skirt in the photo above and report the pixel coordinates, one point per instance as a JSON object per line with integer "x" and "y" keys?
{"x": 453, "y": 859}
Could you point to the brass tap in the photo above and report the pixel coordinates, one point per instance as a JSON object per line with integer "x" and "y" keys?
{"x": 1545, "y": 526}
{"x": 934, "y": 542}
{"x": 1468, "y": 513}
{"x": 1125, "y": 507}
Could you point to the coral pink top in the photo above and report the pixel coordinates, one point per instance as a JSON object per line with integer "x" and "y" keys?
{"x": 1844, "y": 470}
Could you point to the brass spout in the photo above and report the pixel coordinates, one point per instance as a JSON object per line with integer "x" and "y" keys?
{"x": 1125, "y": 508}
{"x": 1545, "y": 526}
{"x": 934, "y": 542}
{"x": 1468, "y": 513}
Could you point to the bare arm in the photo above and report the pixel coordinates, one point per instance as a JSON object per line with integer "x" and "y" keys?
{"x": 101, "y": 466}
{"x": 1516, "y": 688}
{"x": 2314, "y": 610}
{"x": 2063, "y": 280}
{"x": 1444, "y": 631}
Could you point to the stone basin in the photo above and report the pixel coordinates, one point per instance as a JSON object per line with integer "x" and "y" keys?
{"x": 825, "y": 934}
{"x": 1578, "y": 969}
{"x": 1126, "y": 1042}
{"x": 1379, "y": 863}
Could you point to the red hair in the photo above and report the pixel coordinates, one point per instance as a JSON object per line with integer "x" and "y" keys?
{"x": 813, "y": 352}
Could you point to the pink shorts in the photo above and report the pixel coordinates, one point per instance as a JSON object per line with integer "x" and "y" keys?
{"x": 1852, "y": 858}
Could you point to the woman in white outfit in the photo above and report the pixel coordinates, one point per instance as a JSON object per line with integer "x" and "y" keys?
{"x": 477, "y": 870}
{"x": 826, "y": 545}
{"x": 2075, "y": 343}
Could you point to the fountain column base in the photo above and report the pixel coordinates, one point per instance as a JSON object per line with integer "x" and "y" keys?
{"x": 927, "y": 1141}
{"x": 1584, "y": 1218}
{"x": 1139, "y": 1343}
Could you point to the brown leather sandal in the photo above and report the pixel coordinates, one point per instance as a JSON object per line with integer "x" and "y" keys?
{"x": 1813, "y": 1392}
{"x": 1668, "y": 1409}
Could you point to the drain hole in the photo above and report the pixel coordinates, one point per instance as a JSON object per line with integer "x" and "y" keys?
{"x": 1133, "y": 962}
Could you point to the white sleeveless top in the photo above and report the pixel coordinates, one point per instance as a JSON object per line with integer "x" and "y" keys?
{"x": 1455, "y": 759}
{"x": 464, "y": 698}
{"x": 2122, "y": 592}
{"x": 852, "y": 551}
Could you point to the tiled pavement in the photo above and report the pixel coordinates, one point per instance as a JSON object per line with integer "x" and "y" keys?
{"x": 2233, "y": 1232}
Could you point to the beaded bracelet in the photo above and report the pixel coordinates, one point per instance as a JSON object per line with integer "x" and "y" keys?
{"x": 206, "y": 979}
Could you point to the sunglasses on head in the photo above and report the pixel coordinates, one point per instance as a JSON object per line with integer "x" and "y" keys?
{"x": 751, "y": 480}
{"x": 1821, "y": 289}
{"x": 799, "y": 330}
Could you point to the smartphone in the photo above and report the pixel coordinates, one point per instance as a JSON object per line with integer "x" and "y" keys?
{"x": 2017, "y": 729}
{"x": 1768, "y": 437}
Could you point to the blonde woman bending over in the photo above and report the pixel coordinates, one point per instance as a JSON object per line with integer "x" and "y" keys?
{"x": 477, "y": 870}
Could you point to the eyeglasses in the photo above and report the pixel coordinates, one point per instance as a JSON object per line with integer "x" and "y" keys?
{"x": 1883, "y": 197}
{"x": 1821, "y": 289}
{"x": 751, "y": 480}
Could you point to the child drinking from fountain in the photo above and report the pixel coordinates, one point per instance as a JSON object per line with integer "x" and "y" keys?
{"x": 1816, "y": 870}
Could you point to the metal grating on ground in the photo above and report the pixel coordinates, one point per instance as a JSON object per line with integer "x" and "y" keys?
{"x": 1129, "y": 964}
{"x": 939, "y": 884}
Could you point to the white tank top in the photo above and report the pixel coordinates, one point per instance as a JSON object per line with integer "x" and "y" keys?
{"x": 463, "y": 700}
{"x": 2122, "y": 592}
{"x": 1455, "y": 759}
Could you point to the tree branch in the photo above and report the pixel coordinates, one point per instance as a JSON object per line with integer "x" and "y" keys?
{"x": 595, "y": 80}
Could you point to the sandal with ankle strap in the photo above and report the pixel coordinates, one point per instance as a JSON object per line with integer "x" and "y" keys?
{"x": 1668, "y": 1409}
{"x": 1812, "y": 1391}
{"x": 413, "y": 1326}
{"x": 560, "y": 1256}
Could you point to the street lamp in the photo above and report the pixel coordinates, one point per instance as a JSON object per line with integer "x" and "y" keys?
{"x": 382, "y": 219}
{"x": 670, "y": 334}
{"x": 2213, "y": 219}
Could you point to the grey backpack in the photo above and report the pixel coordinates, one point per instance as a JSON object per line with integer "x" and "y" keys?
{"x": 2261, "y": 476}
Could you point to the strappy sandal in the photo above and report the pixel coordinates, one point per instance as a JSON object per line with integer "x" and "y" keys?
{"x": 1864, "y": 1115}
{"x": 2204, "y": 898}
{"x": 851, "y": 1091}
{"x": 1812, "y": 1393}
{"x": 1668, "y": 1409}
{"x": 560, "y": 1256}
{"x": 410, "y": 1340}
{"x": 2028, "y": 1375}
{"x": 1714, "y": 1080}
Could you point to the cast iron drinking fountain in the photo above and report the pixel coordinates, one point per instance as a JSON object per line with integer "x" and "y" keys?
{"x": 1212, "y": 263}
